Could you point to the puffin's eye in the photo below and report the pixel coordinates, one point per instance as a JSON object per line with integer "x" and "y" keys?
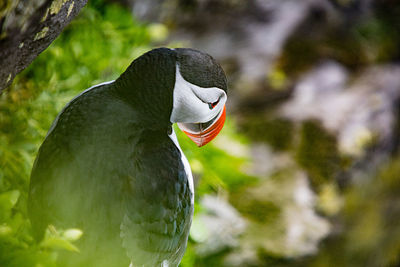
{"x": 212, "y": 105}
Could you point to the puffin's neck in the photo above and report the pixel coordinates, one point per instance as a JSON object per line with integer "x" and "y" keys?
{"x": 147, "y": 85}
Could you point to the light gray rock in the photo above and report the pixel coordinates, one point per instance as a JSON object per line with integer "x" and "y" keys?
{"x": 218, "y": 227}
{"x": 360, "y": 112}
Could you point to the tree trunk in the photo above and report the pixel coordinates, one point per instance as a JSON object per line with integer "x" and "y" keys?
{"x": 27, "y": 28}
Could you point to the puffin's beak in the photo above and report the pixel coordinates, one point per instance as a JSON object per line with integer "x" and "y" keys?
{"x": 203, "y": 133}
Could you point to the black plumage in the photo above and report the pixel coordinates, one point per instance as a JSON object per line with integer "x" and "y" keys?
{"x": 108, "y": 167}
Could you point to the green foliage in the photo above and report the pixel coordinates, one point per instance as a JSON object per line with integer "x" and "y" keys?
{"x": 55, "y": 239}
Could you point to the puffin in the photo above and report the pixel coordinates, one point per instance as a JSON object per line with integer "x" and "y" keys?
{"x": 111, "y": 164}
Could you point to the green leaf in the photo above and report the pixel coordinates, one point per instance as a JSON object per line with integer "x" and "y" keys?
{"x": 7, "y": 202}
{"x": 58, "y": 243}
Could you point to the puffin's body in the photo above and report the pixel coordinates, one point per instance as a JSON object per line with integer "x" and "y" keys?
{"x": 111, "y": 165}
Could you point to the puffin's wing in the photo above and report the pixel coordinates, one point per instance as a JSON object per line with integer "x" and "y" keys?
{"x": 74, "y": 169}
{"x": 51, "y": 166}
{"x": 158, "y": 213}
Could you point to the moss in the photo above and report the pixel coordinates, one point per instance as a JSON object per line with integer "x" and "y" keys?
{"x": 56, "y": 6}
{"x": 261, "y": 211}
{"x": 390, "y": 178}
{"x": 278, "y": 133}
{"x": 370, "y": 233}
{"x": 354, "y": 42}
{"x": 267, "y": 258}
{"x": 317, "y": 153}
{"x": 298, "y": 55}
{"x": 41, "y": 34}
{"x": 70, "y": 8}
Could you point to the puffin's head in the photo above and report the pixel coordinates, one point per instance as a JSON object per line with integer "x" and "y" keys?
{"x": 199, "y": 95}
{"x": 182, "y": 86}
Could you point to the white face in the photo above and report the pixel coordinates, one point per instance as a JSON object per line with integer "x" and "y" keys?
{"x": 194, "y": 104}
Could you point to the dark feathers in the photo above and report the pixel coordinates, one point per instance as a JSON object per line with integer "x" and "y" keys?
{"x": 109, "y": 168}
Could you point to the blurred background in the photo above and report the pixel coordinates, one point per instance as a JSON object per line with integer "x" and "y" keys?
{"x": 306, "y": 171}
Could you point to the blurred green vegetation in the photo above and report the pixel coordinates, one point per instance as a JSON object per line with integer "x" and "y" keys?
{"x": 96, "y": 47}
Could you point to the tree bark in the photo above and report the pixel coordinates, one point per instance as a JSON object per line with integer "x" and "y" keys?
{"x": 27, "y": 28}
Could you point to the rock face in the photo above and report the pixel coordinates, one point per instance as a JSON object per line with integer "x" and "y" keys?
{"x": 217, "y": 227}
{"x": 29, "y": 27}
{"x": 360, "y": 112}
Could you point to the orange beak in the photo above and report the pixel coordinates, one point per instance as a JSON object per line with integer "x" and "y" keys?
{"x": 203, "y": 137}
